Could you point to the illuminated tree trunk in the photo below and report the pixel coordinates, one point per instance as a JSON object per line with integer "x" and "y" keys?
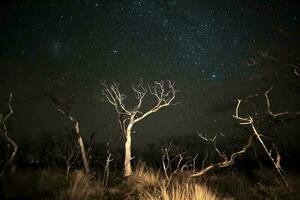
{"x": 82, "y": 149}
{"x": 83, "y": 155}
{"x": 127, "y": 158}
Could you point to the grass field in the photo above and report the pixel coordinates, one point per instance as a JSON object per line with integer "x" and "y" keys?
{"x": 146, "y": 183}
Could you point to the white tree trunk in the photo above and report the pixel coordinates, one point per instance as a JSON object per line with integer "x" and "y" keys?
{"x": 83, "y": 155}
{"x": 82, "y": 148}
{"x": 127, "y": 159}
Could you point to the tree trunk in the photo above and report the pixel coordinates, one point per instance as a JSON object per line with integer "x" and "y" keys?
{"x": 83, "y": 155}
{"x": 15, "y": 149}
{"x": 127, "y": 159}
{"x": 82, "y": 149}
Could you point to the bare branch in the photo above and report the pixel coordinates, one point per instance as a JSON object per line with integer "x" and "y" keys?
{"x": 164, "y": 96}
{"x": 140, "y": 93}
{"x": 207, "y": 139}
{"x": 166, "y": 158}
{"x": 107, "y": 166}
{"x": 296, "y": 69}
{"x": 194, "y": 162}
{"x": 114, "y": 97}
{"x": 9, "y": 107}
{"x": 177, "y": 160}
{"x": 269, "y": 106}
{"x": 70, "y": 157}
{"x": 276, "y": 115}
{"x": 3, "y": 131}
{"x": 243, "y": 120}
{"x": 226, "y": 162}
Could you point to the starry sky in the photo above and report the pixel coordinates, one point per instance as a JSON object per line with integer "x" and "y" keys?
{"x": 216, "y": 51}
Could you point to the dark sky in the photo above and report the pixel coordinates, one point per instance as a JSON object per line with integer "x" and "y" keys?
{"x": 216, "y": 51}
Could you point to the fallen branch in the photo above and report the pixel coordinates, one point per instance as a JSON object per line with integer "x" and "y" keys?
{"x": 225, "y": 161}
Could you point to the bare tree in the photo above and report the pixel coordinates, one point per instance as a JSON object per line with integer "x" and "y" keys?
{"x": 3, "y": 132}
{"x": 107, "y": 166}
{"x": 68, "y": 149}
{"x": 79, "y": 141}
{"x": 173, "y": 161}
{"x": 164, "y": 93}
{"x": 62, "y": 109}
{"x": 250, "y": 121}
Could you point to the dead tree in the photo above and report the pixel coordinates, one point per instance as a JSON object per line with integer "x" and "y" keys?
{"x": 175, "y": 161}
{"x": 69, "y": 151}
{"x": 107, "y": 167}
{"x": 3, "y": 132}
{"x": 61, "y": 109}
{"x": 250, "y": 121}
{"x": 164, "y": 93}
{"x": 70, "y": 160}
{"x": 79, "y": 141}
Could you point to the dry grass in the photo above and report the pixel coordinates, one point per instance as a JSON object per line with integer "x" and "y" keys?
{"x": 145, "y": 175}
{"x": 179, "y": 191}
{"x": 147, "y": 184}
{"x": 83, "y": 187}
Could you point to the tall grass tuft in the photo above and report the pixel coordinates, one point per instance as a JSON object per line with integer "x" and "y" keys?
{"x": 145, "y": 176}
{"x": 83, "y": 187}
{"x": 148, "y": 184}
{"x": 179, "y": 190}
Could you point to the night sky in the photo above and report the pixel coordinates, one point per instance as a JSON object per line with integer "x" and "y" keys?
{"x": 216, "y": 51}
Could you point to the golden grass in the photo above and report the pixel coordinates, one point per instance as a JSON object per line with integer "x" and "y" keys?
{"x": 145, "y": 175}
{"x": 147, "y": 184}
{"x": 179, "y": 191}
{"x": 83, "y": 187}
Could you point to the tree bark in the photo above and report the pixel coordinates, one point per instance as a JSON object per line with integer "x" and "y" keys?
{"x": 127, "y": 159}
{"x": 83, "y": 155}
{"x": 82, "y": 149}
